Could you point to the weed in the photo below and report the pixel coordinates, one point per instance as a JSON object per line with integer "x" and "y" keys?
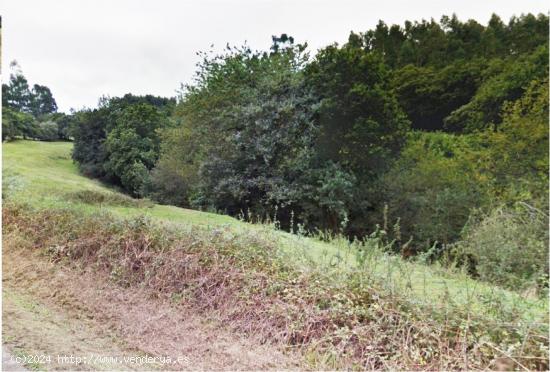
{"x": 509, "y": 247}
{"x": 11, "y": 182}
{"x": 110, "y": 199}
{"x": 339, "y": 318}
{"x": 31, "y": 363}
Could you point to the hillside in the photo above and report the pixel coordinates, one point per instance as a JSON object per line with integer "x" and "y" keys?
{"x": 41, "y": 180}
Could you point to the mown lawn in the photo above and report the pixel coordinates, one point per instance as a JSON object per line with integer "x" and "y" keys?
{"x": 43, "y": 174}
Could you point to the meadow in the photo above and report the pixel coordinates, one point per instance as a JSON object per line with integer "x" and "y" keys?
{"x": 492, "y": 327}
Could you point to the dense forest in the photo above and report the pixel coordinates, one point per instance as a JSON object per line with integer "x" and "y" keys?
{"x": 432, "y": 135}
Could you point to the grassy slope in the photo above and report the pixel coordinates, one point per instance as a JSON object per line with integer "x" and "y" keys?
{"x": 43, "y": 173}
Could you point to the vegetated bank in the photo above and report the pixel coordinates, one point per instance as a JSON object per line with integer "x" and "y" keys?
{"x": 439, "y": 128}
{"x": 353, "y": 305}
{"x": 426, "y": 141}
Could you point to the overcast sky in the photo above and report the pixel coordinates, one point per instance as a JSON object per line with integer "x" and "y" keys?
{"x": 85, "y": 49}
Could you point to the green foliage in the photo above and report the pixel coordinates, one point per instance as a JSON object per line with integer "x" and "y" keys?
{"x": 246, "y": 131}
{"x": 518, "y": 151}
{"x": 439, "y": 177}
{"x": 428, "y": 95}
{"x": 509, "y": 246}
{"x": 260, "y": 133}
{"x": 175, "y": 180}
{"x": 16, "y": 124}
{"x": 16, "y": 94}
{"x": 360, "y": 123}
{"x": 455, "y": 75}
{"x": 65, "y": 125}
{"x": 508, "y": 82}
{"x": 25, "y": 110}
{"x": 42, "y": 101}
{"x": 119, "y": 141}
{"x": 328, "y": 198}
{"x": 325, "y": 143}
{"x": 89, "y": 138}
{"x": 432, "y": 187}
{"x": 132, "y": 146}
{"x": 429, "y": 43}
{"x": 47, "y": 131}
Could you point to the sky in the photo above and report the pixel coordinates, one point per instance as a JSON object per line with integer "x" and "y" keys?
{"x": 83, "y": 49}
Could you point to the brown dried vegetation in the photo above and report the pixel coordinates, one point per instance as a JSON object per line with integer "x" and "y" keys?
{"x": 107, "y": 198}
{"x": 239, "y": 278}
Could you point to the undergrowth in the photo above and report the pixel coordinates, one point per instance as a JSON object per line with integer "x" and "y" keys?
{"x": 111, "y": 199}
{"x": 337, "y": 318}
{"x": 510, "y": 247}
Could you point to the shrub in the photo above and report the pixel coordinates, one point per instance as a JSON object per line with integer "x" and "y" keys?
{"x": 11, "y": 182}
{"x": 348, "y": 318}
{"x": 118, "y": 142}
{"x": 518, "y": 151}
{"x": 169, "y": 182}
{"x": 17, "y": 124}
{"x": 132, "y": 146}
{"x": 113, "y": 199}
{"x": 484, "y": 109}
{"x": 47, "y": 131}
{"x": 432, "y": 187}
{"x": 509, "y": 246}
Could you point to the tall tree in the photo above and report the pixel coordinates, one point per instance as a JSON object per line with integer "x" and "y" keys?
{"x": 42, "y": 101}
{"x": 118, "y": 141}
{"x": 246, "y": 127}
{"x": 361, "y": 124}
{"x": 16, "y": 94}
{"x": 132, "y": 146}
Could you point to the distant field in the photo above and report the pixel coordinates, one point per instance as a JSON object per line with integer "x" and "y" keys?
{"x": 43, "y": 174}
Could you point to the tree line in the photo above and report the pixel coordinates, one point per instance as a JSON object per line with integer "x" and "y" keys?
{"x": 31, "y": 113}
{"x": 435, "y": 133}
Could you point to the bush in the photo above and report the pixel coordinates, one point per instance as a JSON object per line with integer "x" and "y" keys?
{"x": 432, "y": 187}
{"x": 118, "y": 142}
{"x": 47, "y": 131}
{"x": 518, "y": 151}
{"x": 484, "y": 109}
{"x": 349, "y": 319}
{"x": 509, "y": 246}
{"x": 17, "y": 124}
{"x": 112, "y": 199}
{"x": 132, "y": 146}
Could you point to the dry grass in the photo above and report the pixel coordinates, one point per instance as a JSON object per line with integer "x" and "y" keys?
{"x": 52, "y": 309}
{"x": 347, "y": 321}
{"x": 107, "y": 199}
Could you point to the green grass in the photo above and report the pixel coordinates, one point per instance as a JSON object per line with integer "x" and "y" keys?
{"x": 43, "y": 174}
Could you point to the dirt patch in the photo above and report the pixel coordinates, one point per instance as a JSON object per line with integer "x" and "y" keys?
{"x": 9, "y": 363}
{"x": 40, "y": 336}
{"x": 53, "y": 310}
